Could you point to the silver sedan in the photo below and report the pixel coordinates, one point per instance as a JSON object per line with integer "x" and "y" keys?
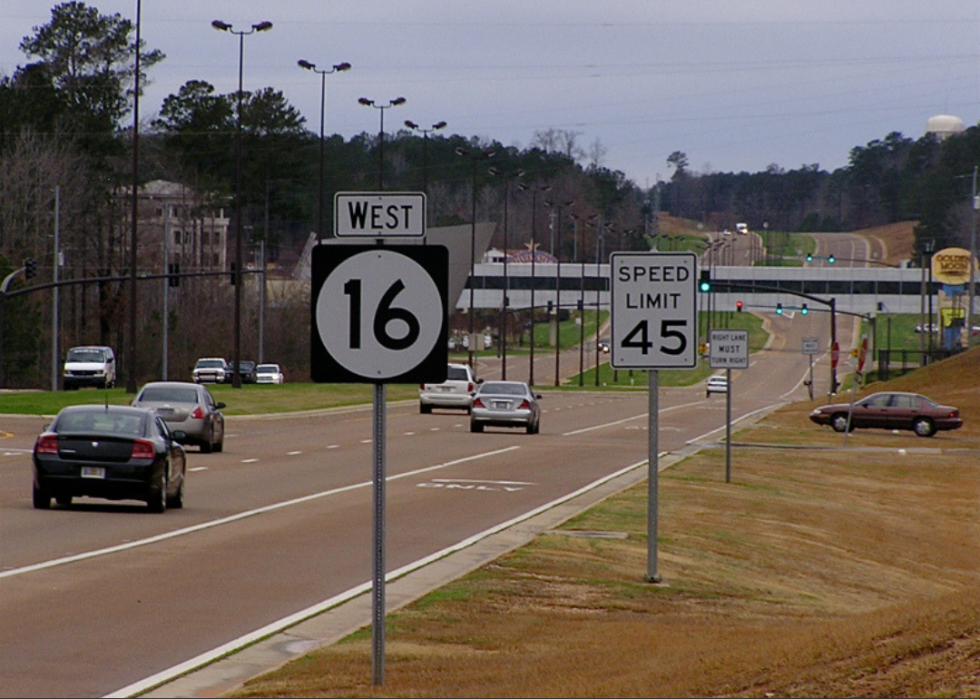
{"x": 188, "y": 407}
{"x": 505, "y": 404}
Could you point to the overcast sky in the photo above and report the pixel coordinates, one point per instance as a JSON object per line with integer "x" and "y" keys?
{"x": 737, "y": 85}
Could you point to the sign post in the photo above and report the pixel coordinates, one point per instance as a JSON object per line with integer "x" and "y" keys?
{"x": 379, "y": 315}
{"x": 811, "y": 346}
{"x": 654, "y": 326}
{"x": 729, "y": 349}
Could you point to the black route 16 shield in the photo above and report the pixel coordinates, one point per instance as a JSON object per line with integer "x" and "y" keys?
{"x": 379, "y": 314}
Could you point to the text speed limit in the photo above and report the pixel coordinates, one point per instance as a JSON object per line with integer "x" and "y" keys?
{"x": 379, "y": 313}
{"x": 654, "y": 310}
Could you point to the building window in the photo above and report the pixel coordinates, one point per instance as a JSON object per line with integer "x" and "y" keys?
{"x": 176, "y": 237}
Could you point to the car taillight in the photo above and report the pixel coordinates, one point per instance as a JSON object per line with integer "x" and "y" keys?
{"x": 421, "y": 386}
{"x": 47, "y": 444}
{"x": 142, "y": 450}
{"x": 469, "y": 388}
{"x": 525, "y": 405}
{"x": 198, "y": 413}
{"x": 477, "y": 403}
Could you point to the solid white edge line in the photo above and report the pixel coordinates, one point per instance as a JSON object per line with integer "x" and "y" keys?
{"x": 276, "y": 626}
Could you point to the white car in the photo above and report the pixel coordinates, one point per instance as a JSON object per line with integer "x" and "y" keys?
{"x": 455, "y": 392}
{"x": 269, "y": 373}
{"x": 211, "y": 370}
{"x": 716, "y": 384}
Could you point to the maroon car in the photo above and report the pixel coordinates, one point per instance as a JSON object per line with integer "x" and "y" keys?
{"x": 890, "y": 410}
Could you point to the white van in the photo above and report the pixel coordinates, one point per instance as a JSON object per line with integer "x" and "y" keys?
{"x": 90, "y": 365}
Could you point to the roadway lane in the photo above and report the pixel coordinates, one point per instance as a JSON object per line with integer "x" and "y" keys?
{"x": 283, "y": 519}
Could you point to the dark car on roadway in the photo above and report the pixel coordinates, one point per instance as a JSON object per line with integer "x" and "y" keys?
{"x": 114, "y": 452}
{"x": 248, "y": 372}
{"x": 189, "y": 408}
{"x": 890, "y": 410}
{"x": 505, "y": 404}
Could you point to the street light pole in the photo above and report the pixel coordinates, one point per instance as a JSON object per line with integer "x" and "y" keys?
{"x": 475, "y": 157}
{"x": 381, "y": 133}
{"x": 236, "y": 380}
{"x": 534, "y": 255}
{"x": 502, "y": 332}
{"x": 340, "y": 67}
{"x": 556, "y": 236}
{"x": 425, "y": 146}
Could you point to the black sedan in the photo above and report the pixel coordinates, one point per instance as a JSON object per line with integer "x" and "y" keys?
{"x": 109, "y": 451}
{"x": 890, "y": 410}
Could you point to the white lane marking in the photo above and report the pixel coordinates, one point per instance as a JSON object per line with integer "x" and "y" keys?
{"x": 242, "y": 515}
{"x": 333, "y": 446}
{"x": 469, "y": 480}
{"x": 249, "y": 461}
{"x": 198, "y": 468}
{"x": 293, "y": 453}
{"x": 276, "y": 626}
{"x": 366, "y": 441}
{"x": 408, "y": 434}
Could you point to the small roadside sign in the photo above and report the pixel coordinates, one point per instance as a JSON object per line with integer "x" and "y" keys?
{"x": 811, "y": 345}
{"x": 379, "y": 214}
{"x": 728, "y": 349}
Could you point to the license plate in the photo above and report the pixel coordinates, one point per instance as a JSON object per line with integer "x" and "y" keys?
{"x": 93, "y": 472}
{"x": 501, "y": 404}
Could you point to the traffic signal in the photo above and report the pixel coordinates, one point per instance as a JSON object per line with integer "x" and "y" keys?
{"x": 705, "y": 285}
{"x": 804, "y": 310}
{"x": 830, "y": 259}
{"x": 30, "y": 267}
{"x": 779, "y": 309}
{"x": 174, "y": 271}
{"x": 809, "y": 258}
{"x": 738, "y": 306}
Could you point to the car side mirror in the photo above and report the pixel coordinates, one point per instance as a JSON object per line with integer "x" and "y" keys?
{"x": 480, "y": 380}
{"x": 219, "y": 405}
{"x": 178, "y": 436}
{"x": 538, "y": 396}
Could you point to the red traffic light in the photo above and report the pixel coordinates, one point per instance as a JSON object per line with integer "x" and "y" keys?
{"x": 738, "y": 306}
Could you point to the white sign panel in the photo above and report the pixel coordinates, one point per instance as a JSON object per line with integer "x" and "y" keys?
{"x": 379, "y": 214}
{"x": 811, "y": 345}
{"x": 729, "y": 349}
{"x": 654, "y": 310}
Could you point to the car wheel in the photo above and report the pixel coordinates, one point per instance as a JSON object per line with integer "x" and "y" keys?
{"x": 475, "y": 427}
{"x": 530, "y": 428}
{"x": 63, "y": 500}
{"x": 839, "y": 422}
{"x": 219, "y": 446}
{"x": 176, "y": 501}
{"x": 207, "y": 446}
{"x": 923, "y": 427}
{"x": 42, "y": 501}
{"x": 156, "y": 499}
{"x": 425, "y": 409}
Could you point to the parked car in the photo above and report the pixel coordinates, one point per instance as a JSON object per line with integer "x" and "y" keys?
{"x": 455, "y": 392}
{"x": 269, "y": 373}
{"x": 505, "y": 404}
{"x": 189, "y": 408}
{"x": 211, "y": 370}
{"x": 248, "y": 372}
{"x": 93, "y": 365}
{"x": 114, "y": 452}
{"x": 604, "y": 345}
{"x": 893, "y": 411}
{"x": 716, "y": 384}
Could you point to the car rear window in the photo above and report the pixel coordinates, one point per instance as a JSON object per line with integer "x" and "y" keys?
{"x": 173, "y": 395}
{"x": 456, "y": 374}
{"x": 505, "y": 389}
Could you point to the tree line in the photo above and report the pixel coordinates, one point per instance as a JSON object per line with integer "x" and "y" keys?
{"x": 62, "y": 129}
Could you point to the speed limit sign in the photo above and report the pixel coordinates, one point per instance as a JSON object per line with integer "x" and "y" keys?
{"x": 379, "y": 314}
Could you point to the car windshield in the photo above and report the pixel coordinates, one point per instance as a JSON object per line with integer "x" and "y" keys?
{"x": 209, "y": 363}
{"x": 503, "y": 389}
{"x": 164, "y": 394}
{"x": 88, "y": 355}
{"x": 267, "y": 369}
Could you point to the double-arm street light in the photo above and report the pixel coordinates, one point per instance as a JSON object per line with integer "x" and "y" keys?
{"x": 236, "y": 380}
{"x": 340, "y": 67}
{"x": 425, "y": 146}
{"x": 556, "y": 237}
{"x": 502, "y": 332}
{"x": 581, "y": 303}
{"x": 381, "y": 133}
{"x": 475, "y": 156}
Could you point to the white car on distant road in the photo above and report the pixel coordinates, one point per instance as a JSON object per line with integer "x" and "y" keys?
{"x": 269, "y": 373}
{"x": 716, "y": 384}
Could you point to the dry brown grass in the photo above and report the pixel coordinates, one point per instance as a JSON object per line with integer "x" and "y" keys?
{"x": 814, "y": 572}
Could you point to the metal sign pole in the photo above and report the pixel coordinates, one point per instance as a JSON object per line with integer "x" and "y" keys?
{"x": 378, "y": 592}
{"x": 728, "y": 425}
{"x": 653, "y": 476}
